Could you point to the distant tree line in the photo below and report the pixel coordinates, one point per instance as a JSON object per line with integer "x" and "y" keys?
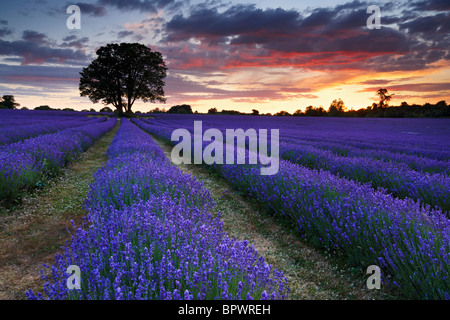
{"x": 181, "y": 109}
{"x": 377, "y": 110}
{"x": 337, "y": 108}
{"x": 8, "y": 102}
{"x": 48, "y": 108}
{"x": 438, "y": 110}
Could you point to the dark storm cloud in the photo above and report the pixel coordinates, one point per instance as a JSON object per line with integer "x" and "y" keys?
{"x": 33, "y": 36}
{"x": 70, "y": 38}
{"x": 428, "y": 25}
{"x": 237, "y": 20}
{"x": 351, "y": 5}
{"x": 58, "y": 77}
{"x": 324, "y": 30}
{"x": 150, "y": 6}
{"x": 5, "y": 32}
{"x": 74, "y": 42}
{"x": 91, "y": 9}
{"x": 432, "y": 5}
{"x": 35, "y": 53}
{"x": 281, "y": 30}
{"x": 334, "y": 38}
{"x": 124, "y": 33}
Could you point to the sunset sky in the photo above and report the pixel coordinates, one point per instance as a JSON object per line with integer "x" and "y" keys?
{"x": 265, "y": 55}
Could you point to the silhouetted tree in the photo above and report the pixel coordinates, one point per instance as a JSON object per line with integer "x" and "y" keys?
{"x": 385, "y": 97}
{"x": 184, "y": 109}
{"x": 337, "y": 108}
{"x": 231, "y": 112}
{"x": 157, "y": 110}
{"x": 212, "y": 111}
{"x": 255, "y": 112}
{"x": 441, "y": 104}
{"x": 8, "y": 102}
{"x": 282, "y": 113}
{"x": 45, "y": 107}
{"x": 122, "y": 73}
{"x": 315, "y": 112}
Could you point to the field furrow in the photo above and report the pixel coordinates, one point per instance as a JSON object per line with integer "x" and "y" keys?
{"x": 34, "y": 231}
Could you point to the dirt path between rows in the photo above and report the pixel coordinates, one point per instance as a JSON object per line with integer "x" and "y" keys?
{"x": 311, "y": 273}
{"x": 33, "y": 232}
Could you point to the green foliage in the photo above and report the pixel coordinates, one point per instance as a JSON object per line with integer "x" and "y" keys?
{"x": 183, "y": 109}
{"x": 45, "y": 107}
{"x": 282, "y": 113}
{"x": 385, "y": 97}
{"x": 315, "y": 112}
{"x": 8, "y": 102}
{"x": 123, "y": 73}
{"x": 337, "y": 108}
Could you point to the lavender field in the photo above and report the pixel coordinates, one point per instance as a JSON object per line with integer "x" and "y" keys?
{"x": 34, "y": 145}
{"x": 376, "y": 190}
{"x": 373, "y": 191}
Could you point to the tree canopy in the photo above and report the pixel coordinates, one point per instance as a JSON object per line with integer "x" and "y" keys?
{"x": 44, "y": 107}
{"x": 385, "y": 97}
{"x": 8, "y": 102}
{"x": 184, "y": 109}
{"x": 123, "y": 73}
{"x": 337, "y": 107}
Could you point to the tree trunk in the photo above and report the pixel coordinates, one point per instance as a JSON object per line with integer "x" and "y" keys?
{"x": 129, "y": 105}
{"x": 120, "y": 109}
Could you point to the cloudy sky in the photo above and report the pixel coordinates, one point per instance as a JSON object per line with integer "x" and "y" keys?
{"x": 268, "y": 55}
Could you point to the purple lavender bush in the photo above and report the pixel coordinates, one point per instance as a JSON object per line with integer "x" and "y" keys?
{"x": 408, "y": 239}
{"x": 18, "y": 132}
{"x": 411, "y": 243}
{"x": 152, "y": 235}
{"x": 25, "y": 163}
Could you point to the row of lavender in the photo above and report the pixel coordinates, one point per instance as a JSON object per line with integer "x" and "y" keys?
{"x": 15, "y": 132}
{"x": 418, "y": 155}
{"x": 410, "y": 242}
{"x": 422, "y": 160}
{"x": 10, "y": 117}
{"x": 152, "y": 236}
{"x": 23, "y": 164}
{"x": 403, "y": 166}
{"x": 425, "y": 138}
{"x": 396, "y": 178}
